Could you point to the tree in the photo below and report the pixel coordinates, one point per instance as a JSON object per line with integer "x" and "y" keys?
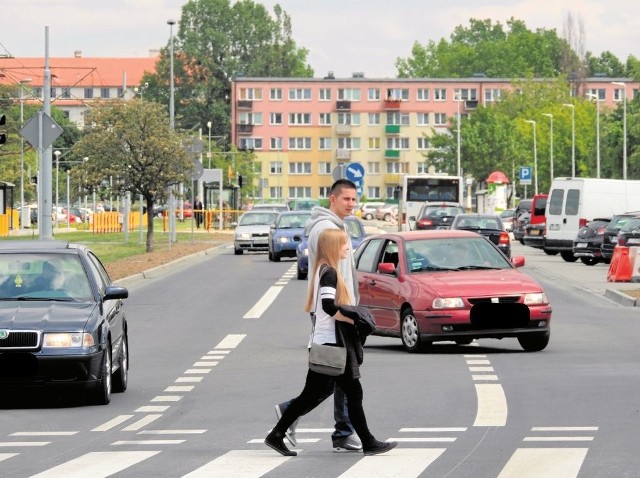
{"x": 488, "y": 48}
{"x": 133, "y": 142}
{"x": 217, "y": 40}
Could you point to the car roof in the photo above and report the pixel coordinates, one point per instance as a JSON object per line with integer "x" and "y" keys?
{"x": 36, "y": 246}
{"x": 427, "y": 234}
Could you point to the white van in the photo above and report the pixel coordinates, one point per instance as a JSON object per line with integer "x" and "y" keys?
{"x": 573, "y": 202}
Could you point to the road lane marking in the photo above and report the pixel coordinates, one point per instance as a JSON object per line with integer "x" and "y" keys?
{"x": 484, "y": 377}
{"x": 147, "y": 442}
{"x": 197, "y": 370}
{"x": 263, "y": 304}
{"x": 478, "y": 362}
{"x": 188, "y": 380}
{"x": 179, "y": 388}
{"x": 143, "y": 422}
{"x": 19, "y": 444}
{"x": 423, "y": 439}
{"x": 42, "y": 434}
{"x": 433, "y": 430}
{"x": 97, "y": 464}
{"x": 492, "y": 405}
{"x": 167, "y": 398}
{"x": 558, "y": 439}
{"x": 564, "y": 429}
{"x": 152, "y": 409}
{"x": 256, "y": 441}
{"x": 537, "y": 462}
{"x": 481, "y": 369}
{"x": 112, "y": 423}
{"x": 6, "y": 456}
{"x": 171, "y": 432}
{"x": 397, "y": 462}
{"x": 231, "y": 341}
{"x": 205, "y": 364}
{"x": 240, "y": 463}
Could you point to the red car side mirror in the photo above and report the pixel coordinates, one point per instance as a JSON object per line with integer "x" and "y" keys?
{"x": 386, "y": 268}
{"x": 518, "y": 261}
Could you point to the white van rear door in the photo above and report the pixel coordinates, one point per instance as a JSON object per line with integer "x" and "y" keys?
{"x": 563, "y": 207}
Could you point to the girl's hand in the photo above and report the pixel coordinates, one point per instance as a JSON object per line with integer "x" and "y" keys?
{"x": 343, "y": 318}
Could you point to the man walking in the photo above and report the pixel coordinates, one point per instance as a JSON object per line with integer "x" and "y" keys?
{"x": 342, "y": 201}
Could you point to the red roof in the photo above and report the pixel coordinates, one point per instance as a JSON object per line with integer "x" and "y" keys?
{"x": 77, "y": 71}
{"x": 498, "y": 177}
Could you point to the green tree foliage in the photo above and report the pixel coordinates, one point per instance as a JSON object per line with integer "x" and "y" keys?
{"x": 607, "y": 64}
{"x": 489, "y": 48}
{"x": 132, "y": 143}
{"x": 216, "y": 40}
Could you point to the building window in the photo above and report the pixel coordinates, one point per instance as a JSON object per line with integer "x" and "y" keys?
{"x": 324, "y": 143}
{"x": 423, "y": 94}
{"x": 599, "y": 93}
{"x": 373, "y": 192}
{"x": 275, "y": 192}
{"x": 324, "y": 167}
{"x": 349, "y": 94}
{"x": 352, "y": 119}
{"x": 300, "y": 94}
{"x": 440, "y": 94}
{"x": 300, "y": 192}
{"x": 37, "y": 92}
{"x": 275, "y": 167}
{"x": 299, "y": 118}
{"x": 324, "y": 119}
{"x": 324, "y": 94}
{"x": 324, "y": 191}
{"x": 275, "y": 94}
{"x": 394, "y": 167}
{"x": 397, "y": 143}
{"x": 300, "y": 168}
{"x": 373, "y": 144}
{"x": 53, "y": 92}
{"x": 373, "y": 94}
{"x": 250, "y": 143}
{"x": 275, "y": 118}
{"x": 349, "y": 143}
{"x": 423, "y": 143}
{"x": 276, "y": 143}
{"x": 465, "y": 94}
{"x": 373, "y": 119}
{"x": 250, "y": 118}
{"x": 105, "y": 93}
{"x": 300, "y": 143}
{"x": 423, "y": 119}
{"x": 88, "y": 92}
{"x": 373, "y": 167}
{"x": 398, "y": 94}
{"x": 120, "y": 92}
{"x": 390, "y": 190}
{"x": 397, "y": 118}
{"x": 250, "y": 94}
{"x": 440, "y": 119}
{"x": 66, "y": 93}
{"x": 492, "y": 94}
{"x": 423, "y": 168}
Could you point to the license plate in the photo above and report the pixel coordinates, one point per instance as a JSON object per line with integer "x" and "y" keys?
{"x": 581, "y": 244}
{"x": 535, "y": 232}
{"x": 633, "y": 241}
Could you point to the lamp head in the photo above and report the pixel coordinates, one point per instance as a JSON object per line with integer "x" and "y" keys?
{"x": 171, "y": 21}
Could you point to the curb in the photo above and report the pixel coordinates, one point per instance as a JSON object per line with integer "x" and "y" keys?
{"x": 620, "y": 298}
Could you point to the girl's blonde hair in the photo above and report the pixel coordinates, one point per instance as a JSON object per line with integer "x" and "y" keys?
{"x": 330, "y": 243}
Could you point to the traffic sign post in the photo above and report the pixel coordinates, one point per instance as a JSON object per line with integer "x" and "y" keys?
{"x": 525, "y": 175}
{"x": 355, "y": 173}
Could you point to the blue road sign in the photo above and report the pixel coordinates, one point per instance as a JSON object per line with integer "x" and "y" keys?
{"x": 525, "y": 174}
{"x": 355, "y": 172}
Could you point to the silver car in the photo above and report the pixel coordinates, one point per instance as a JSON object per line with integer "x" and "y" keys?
{"x": 252, "y": 231}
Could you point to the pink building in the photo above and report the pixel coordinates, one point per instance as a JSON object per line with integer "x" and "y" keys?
{"x": 301, "y": 129}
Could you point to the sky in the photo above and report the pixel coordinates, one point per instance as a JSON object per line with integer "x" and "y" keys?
{"x": 342, "y": 36}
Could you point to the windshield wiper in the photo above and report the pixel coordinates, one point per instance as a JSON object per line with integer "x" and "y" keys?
{"x": 433, "y": 268}
{"x": 41, "y": 299}
{"x": 470, "y": 267}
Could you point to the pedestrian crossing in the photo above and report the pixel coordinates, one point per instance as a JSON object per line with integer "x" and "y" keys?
{"x": 544, "y": 451}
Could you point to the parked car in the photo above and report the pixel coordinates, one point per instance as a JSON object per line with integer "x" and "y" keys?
{"x": 62, "y": 321}
{"x": 629, "y": 233}
{"x": 61, "y": 215}
{"x": 356, "y": 232}
{"x": 588, "y": 243}
{"x": 521, "y": 219}
{"x": 368, "y": 209}
{"x": 285, "y": 234}
{"x": 507, "y": 216}
{"x": 302, "y": 204}
{"x": 436, "y": 215}
{"x": 487, "y": 225}
{"x": 535, "y": 229}
{"x": 449, "y": 285}
{"x": 610, "y": 236}
{"x": 252, "y": 231}
{"x": 387, "y": 212}
{"x": 278, "y": 207}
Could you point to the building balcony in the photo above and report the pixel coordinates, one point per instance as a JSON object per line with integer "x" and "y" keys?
{"x": 245, "y": 104}
{"x": 392, "y": 129}
{"x": 343, "y": 105}
{"x": 343, "y": 129}
{"x": 245, "y": 128}
{"x": 343, "y": 154}
{"x": 392, "y": 104}
{"x": 470, "y": 104}
{"x": 392, "y": 178}
{"x": 392, "y": 154}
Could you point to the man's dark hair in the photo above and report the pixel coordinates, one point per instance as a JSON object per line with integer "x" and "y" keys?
{"x": 339, "y": 185}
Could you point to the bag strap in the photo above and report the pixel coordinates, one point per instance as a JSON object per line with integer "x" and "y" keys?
{"x": 321, "y": 271}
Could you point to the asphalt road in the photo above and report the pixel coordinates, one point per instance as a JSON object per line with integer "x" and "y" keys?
{"x": 217, "y": 340}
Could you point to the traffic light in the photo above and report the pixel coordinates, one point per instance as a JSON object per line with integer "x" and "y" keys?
{"x": 3, "y": 135}
{"x": 240, "y": 180}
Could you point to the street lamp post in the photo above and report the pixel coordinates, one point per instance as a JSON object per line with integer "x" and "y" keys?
{"x": 22, "y": 83}
{"x": 597, "y": 98}
{"x": 172, "y": 219}
{"x": 57, "y": 155}
{"x": 458, "y": 159}
{"x": 535, "y": 157}
{"x": 624, "y": 128}
{"x": 209, "y": 154}
{"x": 550, "y": 116}
{"x": 573, "y": 138}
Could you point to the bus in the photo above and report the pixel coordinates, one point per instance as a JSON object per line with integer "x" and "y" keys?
{"x": 416, "y": 189}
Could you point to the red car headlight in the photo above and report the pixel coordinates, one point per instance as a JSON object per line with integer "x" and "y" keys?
{"x": 448, "y": 303}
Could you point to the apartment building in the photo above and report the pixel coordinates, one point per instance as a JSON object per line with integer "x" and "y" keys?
{"x": 302, "y": 129}
{"x": 77, "y": 82}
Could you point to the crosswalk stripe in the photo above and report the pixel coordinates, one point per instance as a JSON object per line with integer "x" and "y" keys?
{"x": 43, "y": 434}
{"x": 147, "y": 442}
{"x": 422, "y": 439}
{"x": 543, "y": 462}
{"x": 112, "y": 423}
{"x": 6, "y": 456}
{"x": 580, "y": 438}
{"x": 20, "y": 444}
{"x": 96, "y": 464}
{"x": 240, "y": 464}
{"x": 397, "y": 462}
{"x": 143, "y": 422}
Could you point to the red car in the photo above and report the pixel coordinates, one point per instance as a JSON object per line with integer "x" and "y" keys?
{"x": 449, "y": 285}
